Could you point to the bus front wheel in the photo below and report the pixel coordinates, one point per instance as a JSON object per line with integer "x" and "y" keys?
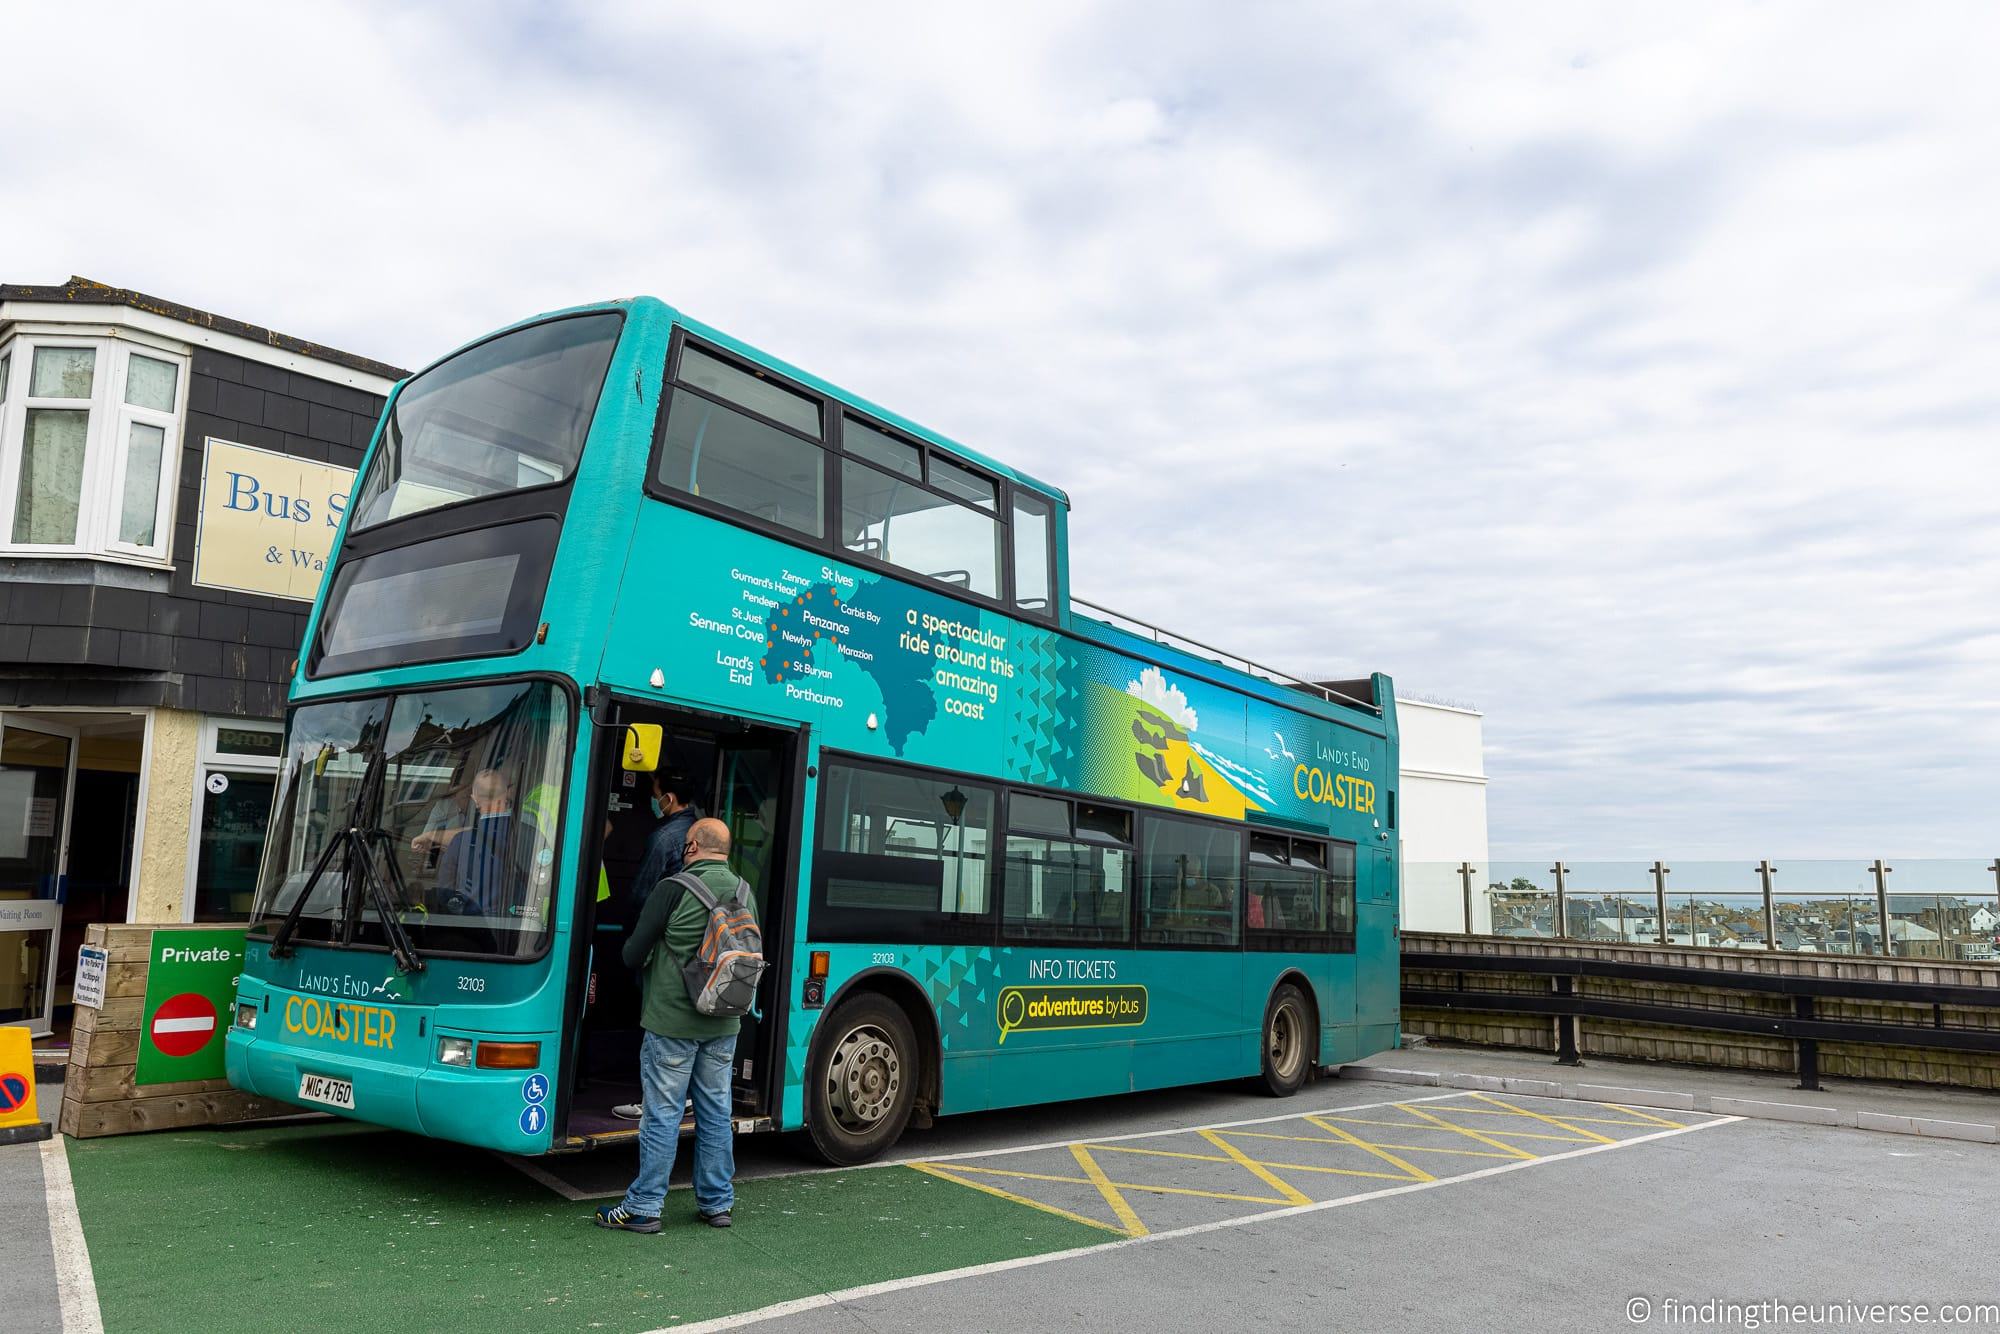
{"x": 1288, "y": 1042}
{"x": 863, "y": 1081}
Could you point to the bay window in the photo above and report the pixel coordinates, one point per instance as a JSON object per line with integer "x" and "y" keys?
{"x": 89, "y": 428}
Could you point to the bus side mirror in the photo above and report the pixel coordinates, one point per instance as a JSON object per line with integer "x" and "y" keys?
{"x": 642, "y": 747}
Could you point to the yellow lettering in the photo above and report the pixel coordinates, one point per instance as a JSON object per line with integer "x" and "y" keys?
{"x": 364, "y": 1025}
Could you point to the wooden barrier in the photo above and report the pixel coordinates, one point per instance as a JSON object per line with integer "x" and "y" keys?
{"x": 100, "y": 1096}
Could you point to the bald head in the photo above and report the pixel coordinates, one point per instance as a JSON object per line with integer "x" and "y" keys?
{"x": 709, "y": 840}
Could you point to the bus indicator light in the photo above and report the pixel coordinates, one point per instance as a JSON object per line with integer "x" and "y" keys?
{"x": 821, "y": 960}
{"x": 509, "y": 1055}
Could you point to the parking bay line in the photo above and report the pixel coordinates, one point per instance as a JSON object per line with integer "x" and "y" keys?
{"x": 820, "y": 1301}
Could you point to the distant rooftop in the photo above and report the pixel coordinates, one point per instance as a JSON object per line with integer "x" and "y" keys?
{"x": 86, "y": 292}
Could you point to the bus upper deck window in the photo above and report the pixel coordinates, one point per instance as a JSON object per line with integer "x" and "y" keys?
{"x": 1032, "y": 578}
{"x": 509, "y": 413}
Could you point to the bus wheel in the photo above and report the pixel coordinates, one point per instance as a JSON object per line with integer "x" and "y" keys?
{"x": 1288, "y": 1042}
{"x": 863, "y": 1081}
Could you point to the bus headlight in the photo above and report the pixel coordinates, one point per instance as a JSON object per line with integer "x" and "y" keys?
{"x": 246, "y": 1016}
{"x": 455, "y": 1051}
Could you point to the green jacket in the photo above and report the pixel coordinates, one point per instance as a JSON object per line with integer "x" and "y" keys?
{"x": 665, "y": 1006}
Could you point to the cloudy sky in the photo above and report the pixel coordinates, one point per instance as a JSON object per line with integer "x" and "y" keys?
{"x": 1628, "y": 372}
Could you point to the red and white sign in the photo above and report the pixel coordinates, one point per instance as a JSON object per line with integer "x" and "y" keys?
{"x": 183, "y": 1024}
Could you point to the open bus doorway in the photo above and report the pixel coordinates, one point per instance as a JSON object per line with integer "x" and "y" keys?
{"x": 745, "y": 775}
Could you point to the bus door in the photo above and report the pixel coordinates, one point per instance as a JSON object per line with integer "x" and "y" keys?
{"x": 753, "y": 796}
{"x": 1378, "y": 956}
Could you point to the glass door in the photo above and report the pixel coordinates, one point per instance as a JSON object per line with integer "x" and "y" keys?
{"x": 750, "y": 795}
{"x": 37, "y": 778}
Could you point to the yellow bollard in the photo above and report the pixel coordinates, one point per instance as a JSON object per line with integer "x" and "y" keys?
{"x": 20, "y": 1122}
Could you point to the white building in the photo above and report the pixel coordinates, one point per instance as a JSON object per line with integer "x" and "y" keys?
{"x": 1441, "y": 805}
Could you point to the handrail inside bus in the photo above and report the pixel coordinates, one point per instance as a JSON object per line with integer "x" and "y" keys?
{"x": 1271, "y": 674}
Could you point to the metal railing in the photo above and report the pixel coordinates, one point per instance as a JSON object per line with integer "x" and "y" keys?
{"x": 1687, "y": 991}
{"x": 1930, "y": 909}
{"x": 1158, "y": 635}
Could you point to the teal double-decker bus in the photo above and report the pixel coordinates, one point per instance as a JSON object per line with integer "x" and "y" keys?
{"x": 1008, "y": 848}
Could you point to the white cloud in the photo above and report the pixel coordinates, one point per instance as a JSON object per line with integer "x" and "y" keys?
{"x": 1153, "y": 688}
{"x": 1626, "y": 370}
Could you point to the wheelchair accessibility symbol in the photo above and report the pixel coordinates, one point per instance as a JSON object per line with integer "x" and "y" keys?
{"x": 534, "y": 1088}
{"x": 533, "y": 1118}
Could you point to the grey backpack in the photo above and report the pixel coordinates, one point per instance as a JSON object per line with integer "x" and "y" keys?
{"x": 722, "y": 974}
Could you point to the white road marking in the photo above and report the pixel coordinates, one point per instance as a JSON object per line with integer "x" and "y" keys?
{"x": 823, "y": 1300}
{"x": 76, "y": 1285}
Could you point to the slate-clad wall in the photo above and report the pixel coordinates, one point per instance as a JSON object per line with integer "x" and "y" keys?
{"x": 82, "y": 632}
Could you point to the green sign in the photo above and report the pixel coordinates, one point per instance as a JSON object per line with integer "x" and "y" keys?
{"x": 190, "y": 999}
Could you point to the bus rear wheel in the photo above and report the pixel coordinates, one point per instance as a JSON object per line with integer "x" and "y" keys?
{"x": 1288, "y": 1042}
{"x": 863, "y": 1082}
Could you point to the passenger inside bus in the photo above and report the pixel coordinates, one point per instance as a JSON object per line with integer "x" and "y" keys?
{"x": 481, "y": 867}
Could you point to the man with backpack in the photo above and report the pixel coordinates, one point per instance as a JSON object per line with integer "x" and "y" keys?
{"x": 697, "y": 939}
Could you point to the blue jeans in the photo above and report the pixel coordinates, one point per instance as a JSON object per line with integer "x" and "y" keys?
{"x": 667, "y": 1068}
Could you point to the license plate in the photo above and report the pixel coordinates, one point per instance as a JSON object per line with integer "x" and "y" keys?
{"x": 323, "y": 1088}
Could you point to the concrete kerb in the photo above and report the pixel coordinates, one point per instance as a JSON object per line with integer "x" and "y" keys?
{"x": 1809, "y": 1113}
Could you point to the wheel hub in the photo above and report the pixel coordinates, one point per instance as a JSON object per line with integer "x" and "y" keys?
{"x": 864, "y": 1078}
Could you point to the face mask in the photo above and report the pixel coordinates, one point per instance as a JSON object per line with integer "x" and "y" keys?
{"x": 658, "y": 812}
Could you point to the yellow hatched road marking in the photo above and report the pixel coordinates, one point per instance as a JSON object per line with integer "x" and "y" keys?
{"x": 1292, "y": 1194}
{"x": 1286, "y": 1167}
{"x": 1590, "y": 1135}
{"x": 1404, "y": 1125}
{"x": 1586, "y": 1120}
{"x": 1161, "y": 1153}
{"x": 1415, "y": 1173}
{"x": 1123, "y": 1185}
{"x": 1487, "y": 1140}
{"x": 1017, "y": 1199}
{"x": 1108, "y": 1191}
{"x": 1650, "y": 1118}
{"x": 1404, "y": 1148}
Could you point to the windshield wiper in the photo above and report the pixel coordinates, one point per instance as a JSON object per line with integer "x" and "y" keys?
{"x": 386, "y": 904}
{"x": 360, "y": 846}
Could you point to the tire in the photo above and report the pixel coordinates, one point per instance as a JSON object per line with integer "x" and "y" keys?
{"x": 862, "y": 1084}
{"x": 1287, "y": 1042}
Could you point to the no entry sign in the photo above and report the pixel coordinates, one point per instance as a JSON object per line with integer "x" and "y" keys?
{"x": 190, "y": 993}
{"x": 183, "y": 1024}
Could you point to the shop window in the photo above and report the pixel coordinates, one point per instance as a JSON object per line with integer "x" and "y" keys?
{"x": 88, "y": 430}
{"x": 238, "y": 771}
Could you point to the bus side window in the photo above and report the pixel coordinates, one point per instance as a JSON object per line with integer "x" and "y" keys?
{"x": 1033, "y": 572}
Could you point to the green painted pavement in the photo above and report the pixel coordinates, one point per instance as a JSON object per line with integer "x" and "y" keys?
{"x": 358, "y": 1229}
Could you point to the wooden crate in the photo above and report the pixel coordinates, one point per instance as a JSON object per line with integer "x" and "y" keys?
{"x": 99, "y": 1095}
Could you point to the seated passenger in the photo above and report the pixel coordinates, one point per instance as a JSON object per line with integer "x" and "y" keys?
{"x": 488, "y": 863}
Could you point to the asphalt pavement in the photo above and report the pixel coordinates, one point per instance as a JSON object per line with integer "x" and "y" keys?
{"x": 1359, "y": 1202}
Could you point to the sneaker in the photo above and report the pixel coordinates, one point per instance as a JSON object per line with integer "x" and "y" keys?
{"x": 626, "y": 1111}
{"x": 715, "y": 1220}
{"x": 620, "y": 1219}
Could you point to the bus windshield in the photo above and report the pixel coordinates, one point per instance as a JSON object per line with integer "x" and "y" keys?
{"x": 469, "y": 797}
{"x": 509, "y": 413}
